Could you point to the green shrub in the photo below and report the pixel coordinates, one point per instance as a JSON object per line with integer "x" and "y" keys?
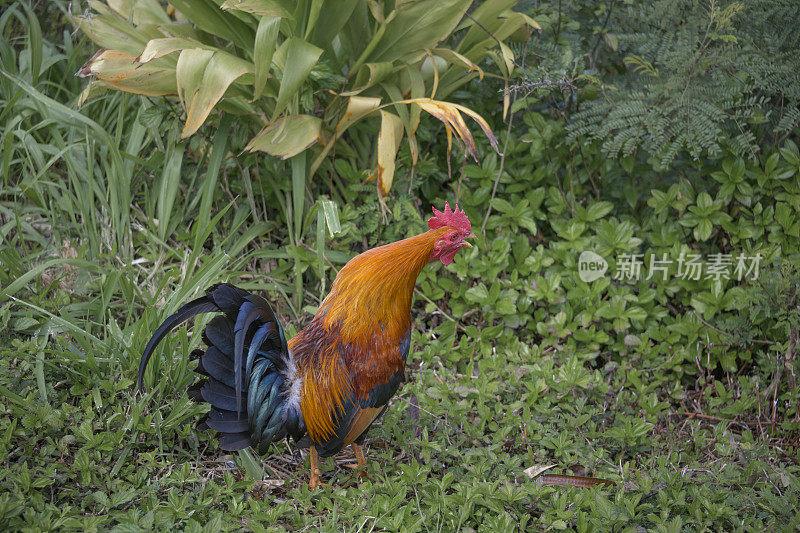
{"x": 674, "y": 77}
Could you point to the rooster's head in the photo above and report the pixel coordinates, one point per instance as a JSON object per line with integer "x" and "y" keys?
{"x": 451, "y": 240}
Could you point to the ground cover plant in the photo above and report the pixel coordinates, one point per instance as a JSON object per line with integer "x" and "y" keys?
{"x": 680, "y": 391}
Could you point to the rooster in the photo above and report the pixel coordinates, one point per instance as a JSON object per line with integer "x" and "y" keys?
{"x": 336, "y": 376}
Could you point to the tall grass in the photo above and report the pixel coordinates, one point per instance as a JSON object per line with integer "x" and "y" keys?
{"x": 105, "y": 202}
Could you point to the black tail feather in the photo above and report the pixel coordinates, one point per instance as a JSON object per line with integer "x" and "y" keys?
{"x": 193, "y": 308}
{"x": 234, "y": 441}
{"x": 219, "y": 333}
{"x": 220, "y": 396}
{"x": 226, "y": 421}
{"x": 248, "y": 313}
{"x": 247, "y": 394}
{"x": 218, "y": 366}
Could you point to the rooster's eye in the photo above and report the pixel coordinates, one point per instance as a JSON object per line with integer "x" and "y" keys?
{"x": 453, "y": 237}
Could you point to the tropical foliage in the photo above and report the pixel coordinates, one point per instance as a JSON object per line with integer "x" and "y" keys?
{"x": 303, "y": 73}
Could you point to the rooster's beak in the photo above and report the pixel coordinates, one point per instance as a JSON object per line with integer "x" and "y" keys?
{"x": 470, "y": 236}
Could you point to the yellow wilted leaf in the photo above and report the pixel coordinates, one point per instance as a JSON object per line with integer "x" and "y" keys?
{"x": 450, "y": 114}
{"x": 287, "y": 136}
{"x": 454, "y": 57}
{"x": 536, "y": 470}
{"x": 530, "y": 22}
{"x": 92, "y": 89}
{"x": 357, "y": 108}
{"x": 388, "y": 142}
{"x": 120, "y": 70}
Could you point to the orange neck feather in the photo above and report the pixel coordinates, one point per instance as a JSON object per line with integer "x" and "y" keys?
{"x": 374, "y": 289}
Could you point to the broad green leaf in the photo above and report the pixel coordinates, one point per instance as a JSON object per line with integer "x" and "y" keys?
{"x": 287, "y": 136}
{"x": 208, "y": 16}
{"x": 388, "y": 142}
{"x": 191, "y": 66}
{"x": 141, "y": 11}
{"x": 301, "y": 57}
{"x": 263, "y": 50}
{"x": 417, "y": 26}
{"x": 109, "y": 30}
{"x": 312, "y": 17}
{"x": 203, "y": 77}
{"x": 368, "y": 75}
{"x": 485, "y": 17}
{"x": 120, "y": 70}
{"x": 262, "y": 8}
{"x": 508, "y": 59}
{"x": 156, "y": 48}
{"x": 337, "y": 14}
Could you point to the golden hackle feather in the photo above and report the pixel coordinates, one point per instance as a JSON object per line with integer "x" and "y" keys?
{"x": 352, "y": 344}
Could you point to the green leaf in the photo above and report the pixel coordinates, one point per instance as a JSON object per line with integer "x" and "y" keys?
{"x": 262, "y": 8}
{"x": 704, "y": 200}
{"x": 156, "y": 48}
{"x": 251, "y": 465}
{"x": 337, "y": 14}
{"x": 168, "y": 189}
{"x": 477, "y": 294}
{"x": 703, "y": 229}
{"x": 111, "y": 31}
{"x": 791, "y": 153}
{"x": 208, "y": 16}
{"x": 416, "y": 26}
{"x": 598, "y": 210}
{"x": 368, "y": 75}
{"x": 331, "y": 211}
{"x": 263, "y": 50}
{"x": 300, "y": 57}
{"x": 203, "y": 77}
{"x": 287, "y": 136}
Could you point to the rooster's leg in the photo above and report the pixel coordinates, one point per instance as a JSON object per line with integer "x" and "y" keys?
{"x": 361, "y": 461}
{"x": 359, "y": 451}
{"x": 313, "y": 479}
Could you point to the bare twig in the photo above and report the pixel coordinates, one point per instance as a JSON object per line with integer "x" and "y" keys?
{"x": 564, "y": 84}
{"x": 500, "y": 171}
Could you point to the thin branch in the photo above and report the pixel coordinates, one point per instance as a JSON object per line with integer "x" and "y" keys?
{"x": 564, "y": 84}
{"x": 500, "y": 171}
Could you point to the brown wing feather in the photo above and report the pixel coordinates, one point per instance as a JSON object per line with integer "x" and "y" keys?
{"x": 361, "y": 420}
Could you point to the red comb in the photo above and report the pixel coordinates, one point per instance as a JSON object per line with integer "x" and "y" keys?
{"x": 457, "y": 219}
